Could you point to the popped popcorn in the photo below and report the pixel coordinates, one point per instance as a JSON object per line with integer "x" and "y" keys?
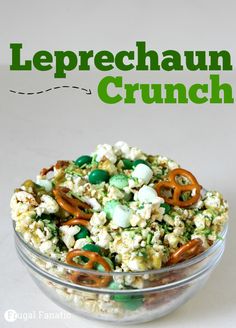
{"x": 126, "y": 221}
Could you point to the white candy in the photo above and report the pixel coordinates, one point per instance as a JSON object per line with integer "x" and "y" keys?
{"x": 147, "y": 194}
{"x": 121, "y": 216}
{"x": 142, "y": 172}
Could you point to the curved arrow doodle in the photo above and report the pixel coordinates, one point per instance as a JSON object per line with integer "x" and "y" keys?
{"x": 86, "y": 91}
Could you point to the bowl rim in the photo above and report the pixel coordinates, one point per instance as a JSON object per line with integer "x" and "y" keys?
{"x": 179, "y": 266}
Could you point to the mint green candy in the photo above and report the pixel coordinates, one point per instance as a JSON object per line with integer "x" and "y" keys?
{"x": 83, "y": 160}
{"x": 114, "y": 285}
{"x": 133, "y": 304}
{"x": 129, "y": 302}
{"x": 98, "y": 176}
{"x": 110, "y": 207}
{"x": 119, "y": 181}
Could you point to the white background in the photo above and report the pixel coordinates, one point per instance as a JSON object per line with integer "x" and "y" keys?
{"x": 35, "y": 131}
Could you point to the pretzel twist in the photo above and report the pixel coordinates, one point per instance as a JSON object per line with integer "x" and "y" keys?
{"x": 85, "y": 279}
{"x": 72, "y": 205}
{"x": 76, "y": 221}
{"x": 186, "y": 252}
{"x": 178, "y": 189}
{"x": 59, "y": 164}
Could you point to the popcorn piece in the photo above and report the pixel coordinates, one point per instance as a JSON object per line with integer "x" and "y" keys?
{"x": 67, "y": 235}
{"x": 98, "y": 219}
{"x": 105, "y": 151}
{"x": 48, "y": 206}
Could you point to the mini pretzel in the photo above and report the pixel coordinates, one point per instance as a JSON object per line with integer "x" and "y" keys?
{"x": 187, "y": 251}
{"x": 61, "y": 164}
{"x": 71, "y": 205}
{"x": 58, "y": 165}
{"x": 84, "y": 279}
{"x": 45, "y": 171}
{"x": 178, "y": 189}
{"x": 76, "y": 221}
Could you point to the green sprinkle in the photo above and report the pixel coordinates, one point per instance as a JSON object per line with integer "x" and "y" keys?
{"x": 167, "y": 207}
{"x": 185, "y": 195}
{"x": 149, "y": 238}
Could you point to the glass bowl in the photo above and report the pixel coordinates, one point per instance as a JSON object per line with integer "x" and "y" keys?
{"x": 148, "y": 295}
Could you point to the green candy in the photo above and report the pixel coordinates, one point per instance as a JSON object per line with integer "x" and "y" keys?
{"x": 119, "y": 181}
{"x": 83, "y": 160}
{"x": 110, "y": 207}
{"x": 167, "y": 207}
{"x": 98, "y": 176}
{"x": 92, "y": 248}
{"x": 83, "y": 233}
{"x": 129, "y": 302}
{"x": 128, "y": 164}
{"x": 140, "y": 161}
{"x": 134, "y": 304}
{"x": 114, "y": 285}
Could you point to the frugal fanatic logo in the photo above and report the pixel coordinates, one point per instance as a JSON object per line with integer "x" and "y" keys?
{"x": 12, "y": 315}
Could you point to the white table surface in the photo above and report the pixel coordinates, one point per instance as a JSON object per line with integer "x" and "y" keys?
{"x": 35, "y": 131}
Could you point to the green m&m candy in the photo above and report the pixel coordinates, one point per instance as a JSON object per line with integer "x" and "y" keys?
{"x": 83, "y": 160}
{"x": 98, "y": 176}
{"x": 119, "y": 181}
{"x": 92, "y": 248}
{"x": 128, "y": 164}
{"x": 83, "y": 233}
{"x": 140, "y": 161}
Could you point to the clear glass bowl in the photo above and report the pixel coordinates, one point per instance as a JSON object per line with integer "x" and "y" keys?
{"x": 149, "y": 295}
